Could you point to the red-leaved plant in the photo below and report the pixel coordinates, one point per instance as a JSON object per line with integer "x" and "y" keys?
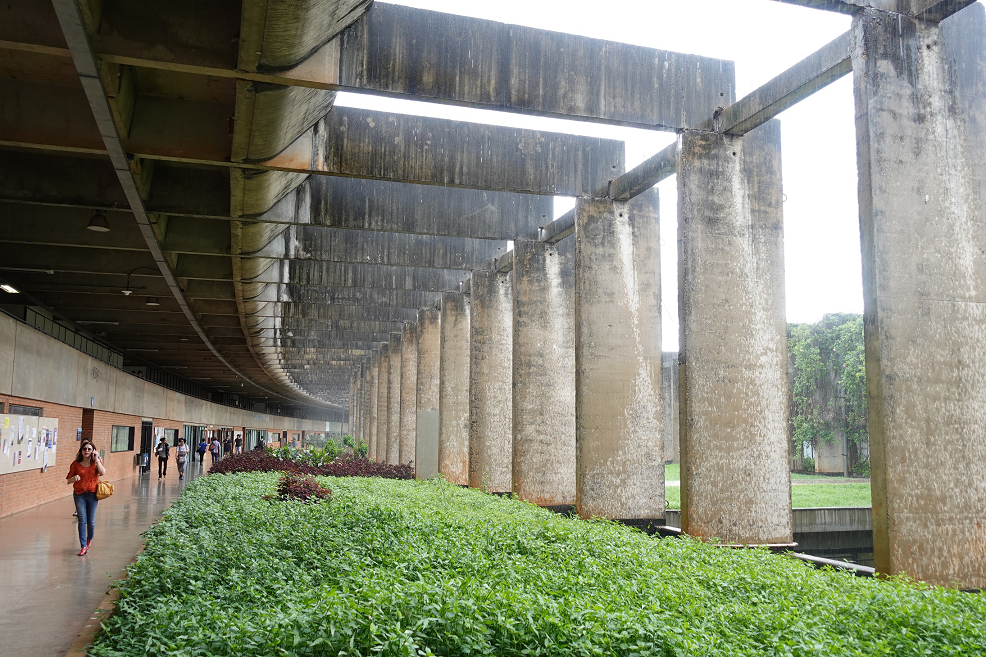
{"x": 260, "y": 460}
{"x": 294, "y": 486}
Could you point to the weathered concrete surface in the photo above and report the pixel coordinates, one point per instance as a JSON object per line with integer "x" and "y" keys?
{"x": 490, "y": 381}
{"x": 409, "y": 383}
{"x": 373, "y": 395}
{"x": 669, "y": 406}
{"x": 383, "y": 399}
{"x": 394, "y": 400}
{"x": 422, "y": 209}
{"x": 735, "y": 474}
{"x": 427, "y": 393}
{"x": 920, "y": 119}
{"x": 619, "y": 466}
{"x": 453, "y": 400}
{"x": 544, "y": 372}
{"x": 443, "y": 57}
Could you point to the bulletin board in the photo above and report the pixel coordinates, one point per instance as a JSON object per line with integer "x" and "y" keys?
{"x": 27, "y": 442}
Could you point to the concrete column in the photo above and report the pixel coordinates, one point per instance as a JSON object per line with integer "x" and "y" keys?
{"x": 453, "y": 400}
{"x": 372, "y": 395}
{"x": 383, "y": 400}
{"x": 544, "y": 372}
{"x": 427, "y": 393}
{"x": 735, "y": 466}
{"x": 409, "y": 381}
{"x": 360, "y": 434}
{"x": 669, "y": 412}
{"x": 920, "y": 122}
{"x": 619, "y": 466}
{"x": 394, "y": 400}
{"x": 490, "y": 381}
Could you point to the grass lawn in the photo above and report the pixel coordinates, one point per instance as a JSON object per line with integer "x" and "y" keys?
{"x": 394, "y": 568}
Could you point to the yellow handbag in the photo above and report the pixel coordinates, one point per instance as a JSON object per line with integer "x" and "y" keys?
{"x": 104, "y": 490}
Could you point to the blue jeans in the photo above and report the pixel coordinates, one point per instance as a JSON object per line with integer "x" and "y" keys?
{"x": 85, "y": 506}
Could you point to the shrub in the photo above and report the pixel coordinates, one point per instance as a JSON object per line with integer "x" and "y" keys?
{"x": 808, "y": 465}
{"x": 861, "y": 468}
{"x": 260, "y": 460}
{"x": 294, "y": 486}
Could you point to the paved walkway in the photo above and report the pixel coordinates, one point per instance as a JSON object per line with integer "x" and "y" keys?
{"x": 47, "y": 592}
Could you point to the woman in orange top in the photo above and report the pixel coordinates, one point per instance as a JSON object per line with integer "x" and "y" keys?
{"x": 84, "y": 475}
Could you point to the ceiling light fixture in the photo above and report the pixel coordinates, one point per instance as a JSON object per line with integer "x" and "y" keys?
{"x": 152, "y": 301}
{"x": 99, "y": 223}
{"x": 9, "y": 289}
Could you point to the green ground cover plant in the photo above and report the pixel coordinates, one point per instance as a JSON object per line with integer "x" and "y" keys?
{"x": 393, "y": 567}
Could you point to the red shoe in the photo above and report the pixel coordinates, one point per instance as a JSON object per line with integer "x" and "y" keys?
{"x": 83, "y": 551}
{"x": 88, "y": 544}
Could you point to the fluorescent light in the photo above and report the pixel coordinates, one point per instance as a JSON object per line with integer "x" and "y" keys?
{"x": 8, "y": 288}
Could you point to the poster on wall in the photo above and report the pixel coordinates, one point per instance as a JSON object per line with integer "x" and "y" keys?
{"x": 27, "y": 443}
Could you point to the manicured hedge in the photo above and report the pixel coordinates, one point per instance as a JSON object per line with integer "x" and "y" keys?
{"x": 427, "y": 568}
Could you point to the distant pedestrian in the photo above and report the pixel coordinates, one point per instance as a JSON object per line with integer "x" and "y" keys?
{"x": 163, "y": 451}
{"x": 84, "y": 474}
{"x": 201, "y": 450}
{"x": 227, "y": 447}
{"x": 214, "y": 448}
{"x": 238, "y": 443}
{"x": 181, "y": 456}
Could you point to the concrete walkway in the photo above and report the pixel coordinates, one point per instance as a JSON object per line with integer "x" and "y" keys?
{"x": 47, "y": 592}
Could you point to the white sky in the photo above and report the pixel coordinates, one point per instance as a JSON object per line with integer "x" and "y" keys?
{"x": 822, "y": 260}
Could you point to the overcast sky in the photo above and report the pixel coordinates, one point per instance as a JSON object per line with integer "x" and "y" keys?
{"x": 764, "y": 38}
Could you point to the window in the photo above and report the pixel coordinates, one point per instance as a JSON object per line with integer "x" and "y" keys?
{"x": 122, "y": 439}
{"x": 171, "y": 435}
{"x": 16, "y": 409}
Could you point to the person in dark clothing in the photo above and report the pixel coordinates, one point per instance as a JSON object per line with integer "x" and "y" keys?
{"x": 163, "y": 451}
{"x": 201, "y": 450}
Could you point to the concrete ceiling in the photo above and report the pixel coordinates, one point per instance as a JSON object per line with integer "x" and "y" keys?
{"x": 285, "y": 239}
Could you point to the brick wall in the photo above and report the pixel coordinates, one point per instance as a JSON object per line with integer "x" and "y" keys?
{"x": 24, "y": 490}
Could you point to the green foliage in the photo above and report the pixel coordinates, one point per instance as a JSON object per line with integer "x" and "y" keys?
{"x": 862, "y": 468}
{"x": 831, "y": 350}
{"x": 814, "y": 495}
{"x": 313, "y": 457}
{"x": 347, "y": 441}
{"x": 427, "y": 568}
{"x": 362, "y": 451}
{"x": 808, "y": 465}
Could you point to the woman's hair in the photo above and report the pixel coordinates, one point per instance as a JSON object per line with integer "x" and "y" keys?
{"x": 85, "y": 441}
{"x": 181, "y": 440}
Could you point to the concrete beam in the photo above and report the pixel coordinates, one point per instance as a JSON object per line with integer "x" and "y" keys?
{"x": 928, "y": 10}
{"x": 452, "y": 59}
{"x": 394, "y": 400}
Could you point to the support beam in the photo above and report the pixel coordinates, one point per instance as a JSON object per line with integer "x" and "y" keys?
{"x": 490, "y": 381}
{"x": 372, "y": 404}
{"x": 920, "y": 114}
{"x": 927, "y": 10}
{"x": 735, "y": 466}
{"x": 427, "y": 393}
{"x": 619, "y": 465}
{"x": 409, "y": 382}
{"x": 544, "y": 373}
{"x": 453, "y": 401}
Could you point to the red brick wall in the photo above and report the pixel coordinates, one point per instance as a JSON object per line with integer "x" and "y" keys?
{"x": 24, "y": 490}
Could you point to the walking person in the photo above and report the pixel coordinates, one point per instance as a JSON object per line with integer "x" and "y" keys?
{"x": 201, "y": 450}
{"x": 181, "y": 456}
{"x": 163, "y": 451}
{"x": 84, "y": 474}
{"x": 215, "y": 450}
{"x": 238, "y": 443}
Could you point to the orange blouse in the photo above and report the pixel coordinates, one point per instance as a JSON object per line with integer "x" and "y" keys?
{"x": 88, "y": 477}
